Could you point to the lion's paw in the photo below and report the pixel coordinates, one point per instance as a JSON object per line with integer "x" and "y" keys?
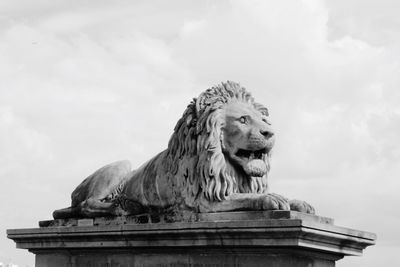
{"x": 301, "y": 206}
{"x": 274, "y": 202}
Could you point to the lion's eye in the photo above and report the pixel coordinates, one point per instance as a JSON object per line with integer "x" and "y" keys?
{"x": 243, "y": 119}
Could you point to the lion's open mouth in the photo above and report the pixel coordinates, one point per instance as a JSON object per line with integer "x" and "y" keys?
{"x": 252, "y": 161}
{"x": 250, "y": 155}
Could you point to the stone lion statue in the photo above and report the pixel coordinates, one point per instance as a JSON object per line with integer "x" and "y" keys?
{"x": 218, "y": 159}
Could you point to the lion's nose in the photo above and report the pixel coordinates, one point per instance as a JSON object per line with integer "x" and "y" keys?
{"x": 267, "y": 133}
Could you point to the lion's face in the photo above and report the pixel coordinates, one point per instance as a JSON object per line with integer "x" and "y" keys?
{"x": 247, "y": 138}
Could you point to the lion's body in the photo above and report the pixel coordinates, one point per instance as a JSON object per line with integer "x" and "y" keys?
{"x": 217, "y": 159}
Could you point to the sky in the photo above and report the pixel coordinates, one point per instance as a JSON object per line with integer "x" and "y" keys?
{"x": 86, "y": 83}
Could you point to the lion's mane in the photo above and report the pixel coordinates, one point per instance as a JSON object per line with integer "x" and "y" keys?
{"x": 198, "y": 136}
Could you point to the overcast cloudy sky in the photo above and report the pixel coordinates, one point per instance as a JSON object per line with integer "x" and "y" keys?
{"x": 85, "y": 83}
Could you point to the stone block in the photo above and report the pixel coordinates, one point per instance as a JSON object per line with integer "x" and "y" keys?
{"x": 241, "y": 239}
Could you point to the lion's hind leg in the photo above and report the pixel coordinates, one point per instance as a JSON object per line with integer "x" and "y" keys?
{"x": 70, "y": 212}
{"x": 94, "y": 196}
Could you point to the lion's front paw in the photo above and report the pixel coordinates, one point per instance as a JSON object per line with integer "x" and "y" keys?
{"x": 274, "y": 202}
{"x": 301, "y": 206}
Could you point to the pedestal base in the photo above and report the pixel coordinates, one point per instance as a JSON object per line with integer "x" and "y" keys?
{"x": 184, "y": 258}
{"x": 279, "y": 238}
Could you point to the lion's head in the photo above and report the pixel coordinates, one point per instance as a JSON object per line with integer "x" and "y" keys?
{"x": 228, "y": 139}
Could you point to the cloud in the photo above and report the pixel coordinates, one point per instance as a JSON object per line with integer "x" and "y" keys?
{"x": 374, "y": 22}
{"x": 23, "y": 146}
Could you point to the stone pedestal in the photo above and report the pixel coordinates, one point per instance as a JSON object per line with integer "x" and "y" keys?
{"x": 238, "y": 239}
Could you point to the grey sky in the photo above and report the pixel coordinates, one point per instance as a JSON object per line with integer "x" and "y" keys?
{"x": 86, "y": 83}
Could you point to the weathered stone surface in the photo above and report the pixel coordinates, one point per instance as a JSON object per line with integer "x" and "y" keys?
{"x": 297, "y": 240}
{"x": 178, "y": 258}
{"x": 84, "y": 222}
{"x": 200, "y": 217}
{"x": 262, "y": 215}
{"x": 217, "y": 160}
